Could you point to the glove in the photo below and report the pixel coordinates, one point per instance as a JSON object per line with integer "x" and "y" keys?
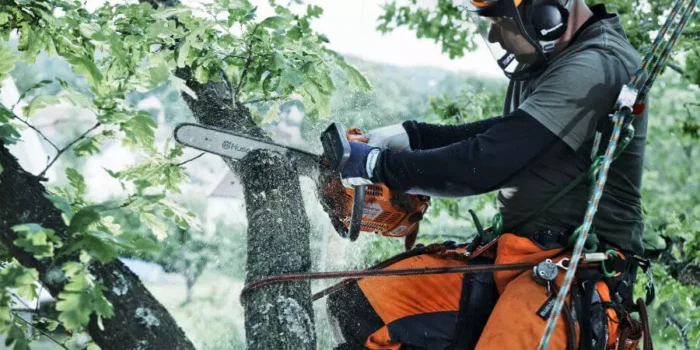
{"x": 393, "y": 136}
{"x": 359, "y": 167}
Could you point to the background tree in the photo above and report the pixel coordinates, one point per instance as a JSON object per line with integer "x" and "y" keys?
{"x": 225, "y": 60}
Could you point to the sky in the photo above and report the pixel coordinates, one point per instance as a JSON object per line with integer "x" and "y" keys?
{"x": 351, "y": 25}
{"x": 351, "y": 28}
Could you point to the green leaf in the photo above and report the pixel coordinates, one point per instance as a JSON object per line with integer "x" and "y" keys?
{"x": 182, "y": 54}
{"x": 88, "y": 146}
{"x": 275, "y": 22}
{"x": 38, "y": 103}
{"x": 9, "y": 134}
{"x": 159, "y": 73}
{"x": 294, "y": 33}
{"x": 34, "y": 87}
{"x": 4, "y": 18}
{"x": 63, "y": 205}
{"x": 24, "y": 279}
{"x": 86, "y": 66}
{"x": 355, "y": 78}
{"x": 158, "y": 227}
{"x": 101, "y": 246}
{"x": 201, "y": 75}
{"x": 81, "y": 297}
{"x": 83, "y": 219}
{"x": 7, "y": 62}
{"x": 36, "y": 240}
{"x": 139, "y": 130}
{"x": 89, "y": 29}
{"x": 1, "y": 169}
{"x": 77, "y": 181}
{"x": 16, "y": 337}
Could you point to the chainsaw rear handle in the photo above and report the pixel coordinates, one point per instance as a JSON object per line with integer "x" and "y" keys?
{"x": 336, "y": 147}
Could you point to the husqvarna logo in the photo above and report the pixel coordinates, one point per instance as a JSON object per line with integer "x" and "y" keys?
{"x": 233, "y": 146}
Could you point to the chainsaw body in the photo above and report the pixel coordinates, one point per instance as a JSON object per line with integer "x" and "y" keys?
{"x": 370, "y": 208}
{"x": 386, "y": 212}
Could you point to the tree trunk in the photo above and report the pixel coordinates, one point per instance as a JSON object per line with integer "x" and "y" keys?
{"x": 190, "y": 281}
{"x": 277, "y": 316}
{"x": 139, "y": 322}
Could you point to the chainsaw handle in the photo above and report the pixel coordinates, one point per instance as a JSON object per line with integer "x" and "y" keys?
{"x": 355, "y": 135}
{"x": 336, "y": 147}
{"x": 357, "y": 209}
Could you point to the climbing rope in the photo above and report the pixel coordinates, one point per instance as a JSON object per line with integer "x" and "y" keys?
{"x": 630, "y": 102}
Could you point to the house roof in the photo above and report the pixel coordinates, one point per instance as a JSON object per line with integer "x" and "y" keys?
{"x": 229, "y": 186}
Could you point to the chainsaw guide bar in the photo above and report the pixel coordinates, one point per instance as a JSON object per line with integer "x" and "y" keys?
{"x": 232, "y": 145}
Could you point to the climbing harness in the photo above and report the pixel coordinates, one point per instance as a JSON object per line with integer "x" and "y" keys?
{"x": 630, "y": 103}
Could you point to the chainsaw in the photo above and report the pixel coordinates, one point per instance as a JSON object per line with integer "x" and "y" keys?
{"x": 369, "y": 208}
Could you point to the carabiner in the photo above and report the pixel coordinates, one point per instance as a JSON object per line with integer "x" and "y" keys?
{"x": 560, "y": 264}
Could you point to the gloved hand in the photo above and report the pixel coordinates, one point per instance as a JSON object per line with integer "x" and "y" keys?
{"x": 392, "y": 136}
{"x": 359, "y": 167}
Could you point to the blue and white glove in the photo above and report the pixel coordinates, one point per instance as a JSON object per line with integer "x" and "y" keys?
{"x": 359, "y": 168}
{"x": 393, "y": 137}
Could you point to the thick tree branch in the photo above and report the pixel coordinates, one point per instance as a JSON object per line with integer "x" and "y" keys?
{"x": 23, "y": 199}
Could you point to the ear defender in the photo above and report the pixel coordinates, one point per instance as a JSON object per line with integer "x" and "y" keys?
{"x": 549, "y": 19}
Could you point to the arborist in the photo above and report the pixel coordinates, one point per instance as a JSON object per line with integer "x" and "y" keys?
{"x": 567, "y": 63}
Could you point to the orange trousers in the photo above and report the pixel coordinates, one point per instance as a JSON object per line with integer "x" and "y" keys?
{"x": 428, "y": 312}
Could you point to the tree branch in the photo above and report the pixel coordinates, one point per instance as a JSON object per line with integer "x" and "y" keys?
{"x": 677, "y": 325}
{"x": 189, "y": 160}
{"x": 60, "y": 152}
{"x": 14, "y": 116}
{"x": 248, "y": 61}
{"x": 265, "y": 99}
{"x": 678, "y": 69}
{"x": 30, "y": 324}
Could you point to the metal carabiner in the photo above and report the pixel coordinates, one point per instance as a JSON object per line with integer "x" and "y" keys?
{"x": 560, "y": 264}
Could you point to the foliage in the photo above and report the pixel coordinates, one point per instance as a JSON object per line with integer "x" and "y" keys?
{"x": 123, "y": 49}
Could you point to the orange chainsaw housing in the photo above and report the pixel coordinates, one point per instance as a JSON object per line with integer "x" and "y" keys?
{"x": 385, "y": 212}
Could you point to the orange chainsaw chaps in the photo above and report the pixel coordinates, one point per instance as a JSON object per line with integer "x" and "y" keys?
{"x": 516, "y": 318}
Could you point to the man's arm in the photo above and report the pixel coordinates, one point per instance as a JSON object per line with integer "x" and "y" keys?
{"x": 471, "y": 166}
{"x": 424, "y": 136}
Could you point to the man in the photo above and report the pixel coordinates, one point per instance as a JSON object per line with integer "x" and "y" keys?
{"x": 567, "y": 63}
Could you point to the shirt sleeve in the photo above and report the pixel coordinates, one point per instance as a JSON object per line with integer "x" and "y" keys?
{"x": 570, "y": 99}
{"x": 473, "y": 166}
{"x": 429, "y": 136}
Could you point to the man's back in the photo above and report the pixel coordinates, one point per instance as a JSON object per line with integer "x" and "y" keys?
{"x": 578, "y": 89}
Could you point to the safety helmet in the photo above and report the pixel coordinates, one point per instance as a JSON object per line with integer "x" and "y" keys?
{"x": 541, "y": 22}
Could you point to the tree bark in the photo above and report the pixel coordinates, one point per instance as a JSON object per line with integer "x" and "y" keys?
{"x": 277, "y": 316}
{"x": 139, "y": 322}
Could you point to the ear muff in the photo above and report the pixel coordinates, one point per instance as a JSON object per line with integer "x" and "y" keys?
{"x": 548, "y": 19}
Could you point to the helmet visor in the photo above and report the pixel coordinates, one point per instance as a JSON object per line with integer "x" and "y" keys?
{"x": 488, "y": 28}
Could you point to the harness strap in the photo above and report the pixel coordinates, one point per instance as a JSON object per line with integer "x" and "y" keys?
{"x": 479, "y": 296}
